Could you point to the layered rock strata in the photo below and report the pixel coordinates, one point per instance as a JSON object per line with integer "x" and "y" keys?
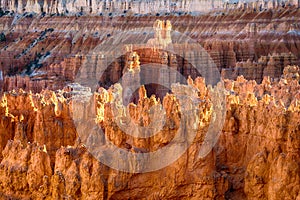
{"x": 94, "y": 7}
{"x": 271, "y": 65}
{"x": 35, "y": 45}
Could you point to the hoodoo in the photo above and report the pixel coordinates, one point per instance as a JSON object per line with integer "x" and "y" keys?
{"x": 153, "y": 99}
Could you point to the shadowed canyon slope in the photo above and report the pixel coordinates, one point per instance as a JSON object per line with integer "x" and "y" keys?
{"x": 51, "y": 49}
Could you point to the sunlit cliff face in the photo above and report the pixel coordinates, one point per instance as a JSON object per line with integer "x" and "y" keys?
{"x": 50, "y": 146}
{"x": 53, "y": 165}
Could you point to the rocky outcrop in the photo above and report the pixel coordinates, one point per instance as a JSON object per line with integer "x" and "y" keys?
{"x": 259, "y": 146}
{"x": 43, "y": 156}
{"x": 271, "y": 65}
{"x": 255, "y": 157}
{"x": 117, "y": 6}
{"x": 37, "y": 111}
{"x": 54, "y": 77}
{"x": 35, "y": 45}
{"x": 291, "y": 73}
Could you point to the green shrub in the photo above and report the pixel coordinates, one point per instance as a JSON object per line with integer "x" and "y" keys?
{"x": 2, "y": 37}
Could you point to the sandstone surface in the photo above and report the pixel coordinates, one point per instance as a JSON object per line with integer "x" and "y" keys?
{"x": 46, "y": 51}
{"x": 43, "y": 156}
{"x": 255, "y": 157}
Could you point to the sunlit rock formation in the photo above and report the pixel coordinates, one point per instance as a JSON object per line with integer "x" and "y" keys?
{"x": 131, "y": 77}
{"x": 43, "y": 156}
{"x": 291, "y": 73}
{"x": 254, "y": 157}
{"x": 162, "y": 37}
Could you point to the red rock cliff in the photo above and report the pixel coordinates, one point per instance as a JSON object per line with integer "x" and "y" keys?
{"x": 35, "y": 46}
{"x": 256, "y": 156}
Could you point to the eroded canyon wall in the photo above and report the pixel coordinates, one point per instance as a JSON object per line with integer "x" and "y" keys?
{"x": 49, "y": 50}
{"x": 256, "y": 156}
{"x": 94, "y": 7}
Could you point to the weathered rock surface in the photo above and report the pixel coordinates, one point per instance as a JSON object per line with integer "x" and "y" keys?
{"x": 256, "y": 157}
{"x": 119, "y": 6}
{"x": 271, "y": 65}
{"x": 50, "y": 49}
